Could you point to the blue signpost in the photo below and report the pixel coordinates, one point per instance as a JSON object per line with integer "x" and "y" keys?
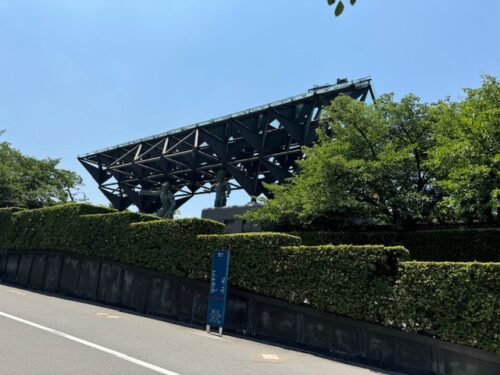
{"x": 218, "y": 290}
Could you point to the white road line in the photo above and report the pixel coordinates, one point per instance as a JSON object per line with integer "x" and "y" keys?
{"x": 91, "y": 345}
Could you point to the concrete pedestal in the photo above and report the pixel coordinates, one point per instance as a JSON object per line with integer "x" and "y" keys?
{"x": 227, "y": 216}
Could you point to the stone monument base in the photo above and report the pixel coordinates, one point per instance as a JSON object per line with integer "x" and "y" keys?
{"x": 227, "y": 216}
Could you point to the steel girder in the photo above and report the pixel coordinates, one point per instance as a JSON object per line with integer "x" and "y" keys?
{"x": 253, "y": 146}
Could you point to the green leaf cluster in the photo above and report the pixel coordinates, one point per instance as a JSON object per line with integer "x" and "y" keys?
{"x": 32, "y": 183}
{"x": 339, "y": 8}
{"x": 401, "y": 163}
{"x": 466, "y": 157}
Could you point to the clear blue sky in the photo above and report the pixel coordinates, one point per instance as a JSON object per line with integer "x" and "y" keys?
{"x": 76, "y": 76}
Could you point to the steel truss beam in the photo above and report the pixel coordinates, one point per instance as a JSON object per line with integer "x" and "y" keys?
{"x": 254, "y": 146}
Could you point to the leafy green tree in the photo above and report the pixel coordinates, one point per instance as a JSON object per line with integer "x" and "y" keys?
{"x": 466, "y": 157}
{"x": 32, "y": 183}
{"x": 400, "y": 163}
{"x": 367, "y": 167}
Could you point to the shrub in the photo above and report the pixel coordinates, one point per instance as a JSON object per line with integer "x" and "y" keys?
{"x": 97, "y": 231}
{"x": 349, "y": 280}
{"x": 50, "y": 228}
{"x": 426, "y": 245}
{"x": 6, "y": 222}
{"x": 105, "y": 235}
{"x": 172, "y": 246}
{"x": 354, "y": 281}
{"x": 256, "y": 258}
{"x": 457, "y": 302}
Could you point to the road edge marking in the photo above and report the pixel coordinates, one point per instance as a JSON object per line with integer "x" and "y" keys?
{"x": 114, "y": 353}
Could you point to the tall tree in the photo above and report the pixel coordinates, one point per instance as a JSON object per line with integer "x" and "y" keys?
{"x": 29, "y": 182}
{"x": 399, "y": 163}
{"x": 466, "y": 158}
{"x": 368, "y": 166}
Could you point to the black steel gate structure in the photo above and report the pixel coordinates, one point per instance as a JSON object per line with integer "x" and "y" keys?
{"x": 252, "y": 146}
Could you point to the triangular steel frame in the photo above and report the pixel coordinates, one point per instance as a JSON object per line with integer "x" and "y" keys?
{"x": 247, "y": 145}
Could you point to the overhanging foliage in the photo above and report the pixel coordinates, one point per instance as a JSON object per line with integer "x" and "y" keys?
{"x": 397, "y": 162}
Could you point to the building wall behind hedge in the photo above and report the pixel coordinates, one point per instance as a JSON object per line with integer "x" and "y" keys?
{"x": 457, "y": 245}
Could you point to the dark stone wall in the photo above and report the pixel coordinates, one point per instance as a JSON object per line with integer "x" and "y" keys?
{"x": 247, "y": 314}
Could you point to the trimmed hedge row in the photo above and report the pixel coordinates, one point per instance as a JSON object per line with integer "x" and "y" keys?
{"x": 354, "y": 281}
{"x": 5, "y": 222}
{"x": 349, "y": 280}
{"x": 51, "y": 228}
{"x": 256, "y": 258}
{"x": 266, "y": 263}
{"x": 457, "y": 302}
{"x": 457, "y": 245}
{"x": 93, "y": 231}
{"x": 172, "y": 246}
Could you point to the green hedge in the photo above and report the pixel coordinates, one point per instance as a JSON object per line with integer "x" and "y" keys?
{"x": 349, "y": 280}
{"x": 354, "y": 281}
{"x": 455, "y": 245}
{"x": 5, "y": 222}
{"x": 94, "y": 231}
{"x": 457, "y": 302}
{"x": 51, "y": 228}
{"x": 172, "y": 246}
{"x": 256, "y": 258}
{"x": 105, "y": 235}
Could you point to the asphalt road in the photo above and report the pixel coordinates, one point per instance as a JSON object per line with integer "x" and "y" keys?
{"x": 42, "y": 334}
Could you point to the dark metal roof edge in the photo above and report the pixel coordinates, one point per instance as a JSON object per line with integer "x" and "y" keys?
{"x": 312, "y": 92}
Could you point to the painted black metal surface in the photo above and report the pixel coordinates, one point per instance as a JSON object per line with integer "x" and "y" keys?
{"x": 253, "y": 146}
{"x": 247, "y": 314}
